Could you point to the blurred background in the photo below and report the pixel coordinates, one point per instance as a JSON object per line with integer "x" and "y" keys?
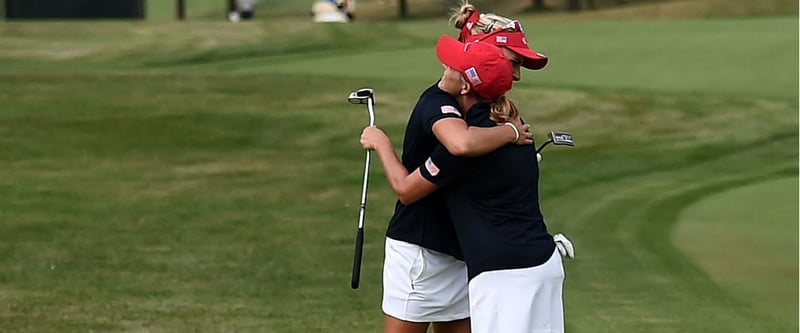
{"x": 378, "y": 9}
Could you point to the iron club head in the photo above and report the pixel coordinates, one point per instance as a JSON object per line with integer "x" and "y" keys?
{"x": 360, "y": 96}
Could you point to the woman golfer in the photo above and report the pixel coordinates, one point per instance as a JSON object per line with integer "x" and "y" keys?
{"x": 500, "y": 31}
{"x": 514, "y": 271}
{"x": 424, "y": 276}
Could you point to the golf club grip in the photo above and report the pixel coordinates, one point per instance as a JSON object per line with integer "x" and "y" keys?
{"x": 357, "y": 259}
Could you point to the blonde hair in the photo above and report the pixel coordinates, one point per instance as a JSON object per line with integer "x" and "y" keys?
{"x": 503, "y": 109}
{"x": 487, "y": 22}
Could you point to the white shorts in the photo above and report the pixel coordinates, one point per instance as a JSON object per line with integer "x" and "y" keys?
{"x": 420, "y": 285}
{"x": 526, "y": 300}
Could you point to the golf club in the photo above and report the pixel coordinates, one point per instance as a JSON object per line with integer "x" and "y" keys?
{"x": 556, "y": 138}
{"x": 362, "y": 96}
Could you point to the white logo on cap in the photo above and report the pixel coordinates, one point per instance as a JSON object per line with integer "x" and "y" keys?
{"x": 472, "y": 76}
{"x": 501, "y": 39}
{"x": 524, "y": 41}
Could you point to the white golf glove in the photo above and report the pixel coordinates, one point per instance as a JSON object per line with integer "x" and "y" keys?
{"x": 564, "y": 246}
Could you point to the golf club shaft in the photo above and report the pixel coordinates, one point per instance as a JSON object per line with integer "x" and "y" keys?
{"x": 543, "y": 145}
{"x": 371, "y": 108}
{"x": 359, "y": 249}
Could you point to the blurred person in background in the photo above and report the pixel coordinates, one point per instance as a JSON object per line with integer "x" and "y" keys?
{"x": 243, "y": 10}
{"x": 333, "y": 10}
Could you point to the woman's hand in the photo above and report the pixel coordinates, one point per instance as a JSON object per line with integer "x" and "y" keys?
{"x": 373, "y": 138}
{"x": 525, "y": 136}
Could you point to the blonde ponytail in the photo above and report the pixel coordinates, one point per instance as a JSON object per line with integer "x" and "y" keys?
{"x": 460, "y": 15}
{"x": 486, "y": 23}
{"x": 503, "y": 109}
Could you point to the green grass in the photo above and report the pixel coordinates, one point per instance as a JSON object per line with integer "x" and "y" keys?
{"x": 760, "y": 237}
{"x": 203, "y": 176}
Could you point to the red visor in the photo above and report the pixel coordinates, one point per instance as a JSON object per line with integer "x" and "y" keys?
{"x": 516, "y": 42}
{"x": 513, "y": 40}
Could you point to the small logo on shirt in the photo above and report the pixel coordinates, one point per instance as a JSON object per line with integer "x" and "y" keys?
{"x": 449, "y": 109}
{"x": 472, "y": 76}
{"x": 501, "y": 39}
{"x": 431, "y": 167}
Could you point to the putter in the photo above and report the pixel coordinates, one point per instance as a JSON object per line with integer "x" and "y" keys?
{"x": 558, "y": 139}
{"x": 362, "y": 96}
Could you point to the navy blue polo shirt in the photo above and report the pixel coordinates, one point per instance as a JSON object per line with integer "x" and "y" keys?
{"x": 426, "y": 222}
{"x": 494, "y": 202}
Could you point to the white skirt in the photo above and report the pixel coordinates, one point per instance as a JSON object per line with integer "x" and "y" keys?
{"x": 526, "y": 300}
{"x": 421, "y": 285}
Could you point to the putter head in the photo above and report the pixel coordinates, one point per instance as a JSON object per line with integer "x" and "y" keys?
{"x": 360, "y": 96}
{"x": 561, "y": 138}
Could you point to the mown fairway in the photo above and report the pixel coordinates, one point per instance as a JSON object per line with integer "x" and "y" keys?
{"x": 205, "y": 177}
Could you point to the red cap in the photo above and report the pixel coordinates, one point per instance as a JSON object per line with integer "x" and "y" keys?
{"x": 513, "y": 40}
{"x": 484, "y": 66}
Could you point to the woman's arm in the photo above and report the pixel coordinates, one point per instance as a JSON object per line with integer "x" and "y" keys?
{"x": 463, "y": 140}
{"x": 409, "y": 187}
